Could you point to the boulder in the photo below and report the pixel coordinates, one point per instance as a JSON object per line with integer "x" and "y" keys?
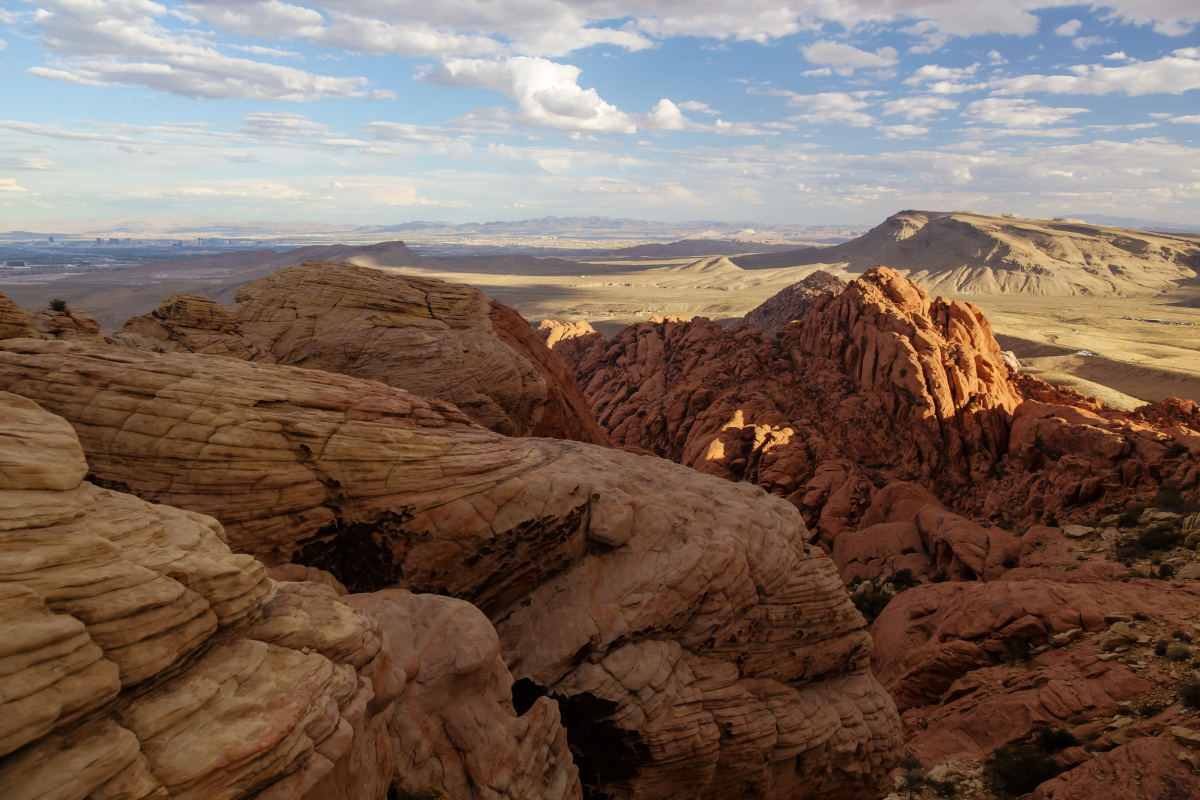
{"x": 792, "y": 303}
{"x": 14, "y": 323}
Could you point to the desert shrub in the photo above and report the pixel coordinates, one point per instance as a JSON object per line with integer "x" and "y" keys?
{"x": 1178, "y": 651}
{"x": 1051, "y": 740}
{"x": 1181, "y": 635}
{"x": 1176, "y": 450}
{"x": 903, "y": 579}
{"x": 939, "y": 577}
{"x": 871, "y": 603}
{"x": 1162, "y": 536}
{"x": 1189, "y": 695}
{"x": 1009, "y": 562}
{"x": 58, "y": 305}
{"x": 1141, "y": 616}
{"x": 1050, "y": 520}
{"x": 1017, "y": 770}
{"x": 1129, "y": 516}
{"x": 1170, "y": 498}
{"x": 942, "y": 788}
{"x": 1166, "y": 572}
{"x": 1160, "y": 648}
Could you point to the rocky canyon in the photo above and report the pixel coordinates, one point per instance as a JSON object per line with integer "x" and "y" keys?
{"x": 364, "y": 535}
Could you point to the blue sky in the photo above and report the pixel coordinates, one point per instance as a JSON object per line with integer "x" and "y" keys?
{"x": 386, "y": 111}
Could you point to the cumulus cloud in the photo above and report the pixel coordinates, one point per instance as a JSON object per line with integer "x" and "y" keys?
{"x": 103, "y": 42}
{"x": 841, "y": 54}
{"x": 917, "y": 107}
{"x": 1172, "y": 74}
{"x": 1068, "y": 28}
{"x": 945, "y": 80}
{"x": 902, "y": 131}
{"x": 547, "y": 93}
{"x": 696, "y": 105}
{"x": 1018, "y": 113}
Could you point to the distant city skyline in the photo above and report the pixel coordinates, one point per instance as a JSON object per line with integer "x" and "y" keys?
{"x": 384, "y": 111}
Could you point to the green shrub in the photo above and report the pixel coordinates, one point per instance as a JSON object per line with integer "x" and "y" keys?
{"x": 1141, "y": 616}
{"x": 1051, "y": 740}
{"x": 1160, "y": 648}
{"x": 1169, "y": 498}
{"x": 939, "y": 577}
{"x": 1018, "y": 649}
{"x": 903, "y": 579}
{"x": 871, "y": 603}
{"x": 1189, "y": 695}
{"x": 1017, "y": 770}
{"x": 1166, "y": 572}
{"x": 1181, "y": 635}
{"x": 58, "y": 305}
{"x": 1162, "y": 536}
{"x": 942, "y": 788}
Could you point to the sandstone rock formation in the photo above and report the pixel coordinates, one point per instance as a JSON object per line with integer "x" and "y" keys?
{"x": 143, "y": 659}
{"x": 432, "y": 338}
{"x": 68, "y": 324}
{"x": 14, "y": 323}
{"x": 792, "y": 303}
{"x": 189, "y": 323}
{"x": 567, "y": 340}
{"x": 689, "y": 634}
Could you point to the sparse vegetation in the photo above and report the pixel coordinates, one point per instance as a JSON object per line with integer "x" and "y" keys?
{"x": 1180, "y": 635}
{"x": 1176, "y": 450}
{"x": 914, "y": 774}
{"x": 422, "y": 793}
{"x": 1170, "y": 498}
{"x": 939, "y": 577}
{"x": 1178, "y": 651}
{"x": 1129, "y": 516}
{"x": 1189, "y": 695}
{"x": 1009, "y": 562}
{"x": 1161, "y": 536}
{"x": 1149, "y": 708}
{"x": 871, "y": 603}
{"x": 1166, "y": 572}
{"x": 1018, "y": 649}
{"x": 1160, "y": 648}
{"x": 59, "y": 306}
{"x": 1142, "y": 616}
{"x": 903, "y": 579}
{"x": 1050, "y": 520}
{"x": 1016, "y": 770}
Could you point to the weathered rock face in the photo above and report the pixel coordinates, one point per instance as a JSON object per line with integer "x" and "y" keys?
{"x": 69, "y": 324}
{"x": 1148, "y": 767}
{"x": 435, "y": 339}
{"x": 665, "y": 611}
{"x": 143, "y": 659}
{"x": 14, "y": 323}
{"x": 791, "y": 304}
{"x": 455, "y": 726}
{"x": 189, "y": 323}
{"x": 568, "y": 340}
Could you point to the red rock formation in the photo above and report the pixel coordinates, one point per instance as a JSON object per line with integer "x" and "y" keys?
{"x": 669, "y": 614}
{"x": 1151, "y": 767}
{"x": 68, "y": 324}
{"x": 189, "y": 323}
{"x": 792, "y": 303}
{"x": 567, "y": 339}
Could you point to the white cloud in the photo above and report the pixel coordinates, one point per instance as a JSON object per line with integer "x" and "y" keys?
{"x": 841, "y": 54}
{"x": 405, "y": 132}
{"x": 3, "y": 44}
{"x": 1192, "y": 118}
{"x": 995, "y": 58}
{"x": 902, "y": 131}
{"x": 280, "y": 125}
{"x": 945, "y": 80}
{"x": 666, "y": 116}
{"x": 1068, "y": 28}
{"x": 1172, "y": 74}
{"x": 829, "y": 107}
{"x": 10, "y": 185}
{"x": 1084, "y": 42}
{"x": 916, "y": 107}
{"x": 696, "y": 105}
{"x": 1018, "y": 113}
{"x": 103, "y": 42}
{"x": 264, "y": 19}
{"x": 547, "y": 93}
{"x": 1117, "y": 56}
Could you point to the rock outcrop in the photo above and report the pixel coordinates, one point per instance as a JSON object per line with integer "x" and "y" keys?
{"x": 568, "y": 340}
{"x": 14, "y": 323}
{"x": 143, "y": 659}
{"x": 689, "y": 634}
{"x": 435, "y": 339}
{"x": 67, "y": 324}
{"x": 791, "y": 304}
{"x": 189, "y": 323}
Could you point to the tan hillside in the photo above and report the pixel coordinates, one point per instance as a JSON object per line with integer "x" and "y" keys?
{"x": 967, "y": 253}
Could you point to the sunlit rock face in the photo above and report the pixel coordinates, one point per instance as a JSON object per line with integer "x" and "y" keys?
{"x": 686, "y": 630}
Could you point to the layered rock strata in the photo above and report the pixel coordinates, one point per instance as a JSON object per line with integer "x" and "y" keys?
{"x": 689, "y": 634}
{"x": 143, "y": 659}
{"x": 435, "y": 339}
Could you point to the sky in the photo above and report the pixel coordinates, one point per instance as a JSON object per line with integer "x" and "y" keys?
{"x": 806, "y": 112}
